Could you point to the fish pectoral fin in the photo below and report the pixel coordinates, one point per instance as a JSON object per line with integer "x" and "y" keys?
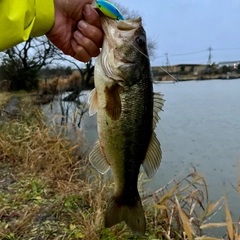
{"x": 132, "y": 214}
{"x": 113, "y": 101}
{"x": 93, "y": 101}
{"x": 153, "y": 156}
{"x": 98, "y": 160}
{"x": 158, "y": 103}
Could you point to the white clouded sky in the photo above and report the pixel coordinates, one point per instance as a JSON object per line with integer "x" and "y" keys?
{"x": 187, "y": 26}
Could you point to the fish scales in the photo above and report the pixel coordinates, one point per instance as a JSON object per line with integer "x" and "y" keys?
{"x": 126, "y": 105}
{"x": 126, "y": 145}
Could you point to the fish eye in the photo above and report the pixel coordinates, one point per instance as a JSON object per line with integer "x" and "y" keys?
{"x": 140, "y": 40}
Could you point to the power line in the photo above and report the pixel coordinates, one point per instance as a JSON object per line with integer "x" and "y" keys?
{"x": 189, "y": 53}
{"x": 224, "y": 49}
{"x": 200, "y": 51}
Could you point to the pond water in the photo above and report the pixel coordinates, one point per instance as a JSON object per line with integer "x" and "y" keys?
{"x": 200, "y": 127}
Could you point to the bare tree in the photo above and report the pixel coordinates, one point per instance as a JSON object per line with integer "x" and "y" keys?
{"x": 86, "y": 75}
{"x": 22, "y": 63}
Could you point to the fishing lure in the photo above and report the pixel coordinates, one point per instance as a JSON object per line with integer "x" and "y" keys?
{"x": 109, "y": 9}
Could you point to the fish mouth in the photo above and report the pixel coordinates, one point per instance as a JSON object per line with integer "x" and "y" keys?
{"x": 118, "y": 37}
{"x": 115, "y": 30}
{"x": 128, "y": 25}
{"x": 124, "y": 26}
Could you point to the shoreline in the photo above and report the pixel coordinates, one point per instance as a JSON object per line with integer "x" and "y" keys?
{"x": 182, "y": 78}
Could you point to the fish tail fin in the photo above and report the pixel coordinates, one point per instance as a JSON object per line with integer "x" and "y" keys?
{"x": 132, "y": 214}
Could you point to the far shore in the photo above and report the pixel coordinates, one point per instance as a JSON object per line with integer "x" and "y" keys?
{"x": 189, "y": 77}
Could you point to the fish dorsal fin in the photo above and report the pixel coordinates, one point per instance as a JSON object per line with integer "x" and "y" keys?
{"x": 113, "y": 101}
{"x": 158, "y": 103}
{"x": 98, "y": 160}
{"x": 153, "y": 156}
{"x": 93, "y": 101}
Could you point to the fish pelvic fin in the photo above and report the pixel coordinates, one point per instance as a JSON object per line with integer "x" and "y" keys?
{"x": 113, "y": 101}
{"x": 98, "y": 160}
{"x": 93, "y": 102}
{"x": 132, "y": 214}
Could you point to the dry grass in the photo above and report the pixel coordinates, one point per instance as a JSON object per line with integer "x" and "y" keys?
{"x": 45, "y": 195}
{"x": 60, "y": 84}
{"x": 182, "y": 210}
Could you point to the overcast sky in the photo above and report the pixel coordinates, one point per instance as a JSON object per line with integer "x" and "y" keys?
{"x": 189, "y": 28}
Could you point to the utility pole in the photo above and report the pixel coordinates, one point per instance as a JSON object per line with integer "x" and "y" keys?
{"x": 209, "y": 56}
{"x": 167, "y": 62}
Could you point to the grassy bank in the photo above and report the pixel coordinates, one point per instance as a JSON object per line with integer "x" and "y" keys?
{"x": 49, "y": 191}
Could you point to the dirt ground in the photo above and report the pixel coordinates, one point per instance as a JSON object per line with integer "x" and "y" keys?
{"x": 11, "y": 109}
{"x": 9, "y": 112}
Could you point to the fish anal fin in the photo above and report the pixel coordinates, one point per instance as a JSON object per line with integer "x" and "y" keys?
{"x": 133, "y": 215}
{"x": 158, "y": 103}
{"x": 93, "y": 101}
{"x": 153, "y": 156}
{"x": 113, "y": 101}
{"x": 98, "y": 160}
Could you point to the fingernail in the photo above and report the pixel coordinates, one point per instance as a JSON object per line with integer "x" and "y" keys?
{"x": 78, "y": 34}
{"x": 82, "y": 25}
{"x": 87, "y": 9}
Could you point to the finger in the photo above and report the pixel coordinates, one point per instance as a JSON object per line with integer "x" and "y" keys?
{"x": 91, "y": 48}
{"x": 80, "y": 53}
{"x": 91, "y": 16}
{"x": 91, "y": 32}
{"x": 88, "y": 44}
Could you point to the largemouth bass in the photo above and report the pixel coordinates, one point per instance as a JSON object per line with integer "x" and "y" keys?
{"x": 127, "y": 112}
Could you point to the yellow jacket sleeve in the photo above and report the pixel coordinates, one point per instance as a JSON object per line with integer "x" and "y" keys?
{"x": 20, "y": 19}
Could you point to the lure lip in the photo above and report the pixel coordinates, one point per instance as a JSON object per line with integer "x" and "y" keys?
{"x": 109, "y": 9}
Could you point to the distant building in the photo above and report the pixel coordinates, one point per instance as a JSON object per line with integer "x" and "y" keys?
{"x": 233, "y": 64}
{"x": 188, "y": 68}
{"x": 179, "y": 68}
{"x": 158, "y": 70}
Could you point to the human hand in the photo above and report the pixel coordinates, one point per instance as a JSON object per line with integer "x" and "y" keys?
{"x": 77, "y": 29}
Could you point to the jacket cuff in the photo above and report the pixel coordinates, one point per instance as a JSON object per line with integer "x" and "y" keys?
{"x": 44, "y": 17}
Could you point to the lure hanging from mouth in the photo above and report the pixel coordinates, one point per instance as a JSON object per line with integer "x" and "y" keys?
{"x": 108, "y": 9}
